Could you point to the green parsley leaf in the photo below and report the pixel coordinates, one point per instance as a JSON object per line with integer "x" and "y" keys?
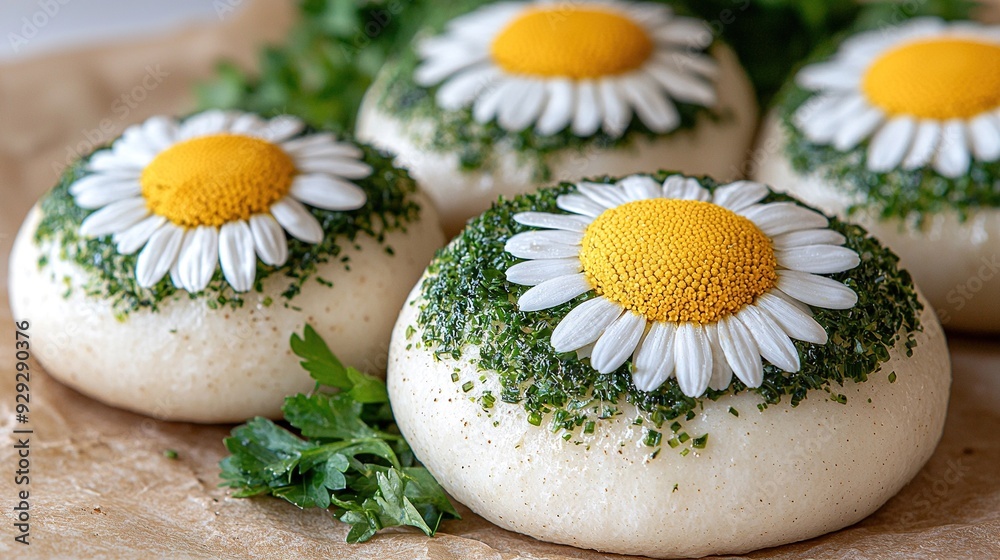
{"x": 347, "y": 454}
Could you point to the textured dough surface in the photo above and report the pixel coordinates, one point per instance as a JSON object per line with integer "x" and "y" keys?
{"x": 189, "y": 362}
{"x": 956, "y": 263}
{"x": 765, "y": 478}
{"x": 711, "y": 148}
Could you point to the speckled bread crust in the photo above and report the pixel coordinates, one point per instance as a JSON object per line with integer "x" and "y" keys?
{"x": 955, "y": 262}
{"x": 712, "y": 148}
{"x": 765, "y": 478}
{"x": 189, "y": 362}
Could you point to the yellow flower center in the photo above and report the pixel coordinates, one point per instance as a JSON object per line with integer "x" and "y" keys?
{"x": 212, "y": 180}
{"x": 936, "y": 79}
{"x": 681, "y": 261}
{"x": 572, "y": 42}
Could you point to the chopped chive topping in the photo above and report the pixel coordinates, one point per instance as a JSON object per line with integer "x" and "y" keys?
{"x": 535, "y": 419}
{"x": 842, "y": 399}
{"x": 170, "y": 453}
{"x": 467, "y": 386}
{"x": 566, "y": 436}
{"x": 734, "y": 412}
{"x": 488, "y": 399}
{"x": 454, "y": 378}
{"x": 656, "y": 453}
{"x": 410, "y": 329}
{"x": 637, "y": 421}
{"x": 683, "y": 437}
{"x": 652, "y": 438}
{"x": 685, "y": 451}
{"x": 699, "y": 442}
{"x": 892, "y": 377}
{"x": 675, "y": 427}
{"x": 675, "y": 489}
{"x": 588, "y": 428}
{"x": 672, "y": 442}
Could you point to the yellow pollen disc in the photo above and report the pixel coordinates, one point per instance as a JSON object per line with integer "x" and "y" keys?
{"x": 682, "y": 261}
{"x": 571, "y": 42}
{"x": 212, "y": 180}
{"x": 936, "y": 79}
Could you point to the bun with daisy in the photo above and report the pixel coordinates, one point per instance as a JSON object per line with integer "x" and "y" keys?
{"x": 514, "y": 95}
{"x": 665, "y": 366}
{"x": 166, "y": 271}
{"x": 899, "y": 129}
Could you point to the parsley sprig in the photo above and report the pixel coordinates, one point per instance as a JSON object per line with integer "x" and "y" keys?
{"x": 350, "y": 457}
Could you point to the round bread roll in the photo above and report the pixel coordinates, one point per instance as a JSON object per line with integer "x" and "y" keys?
{"x": 919, "y": 170}
{"x": 197, "y": 356}
{"x": 766, "y": 478}
{"x": 953, "y": 258}
{"x": 641, "y": 442}
{"x": 508, "y": 158}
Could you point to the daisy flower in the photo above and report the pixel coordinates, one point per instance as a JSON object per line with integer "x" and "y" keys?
{"x": 925, "y": 93}
{"x": 687, "y": 283}
{"x": 586, "y": 65}
{"x": 219, "y": 187}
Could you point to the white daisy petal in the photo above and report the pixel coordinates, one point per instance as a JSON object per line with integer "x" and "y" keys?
{"x": 485, "y": 107}
{"x": 685, "y": 31}
{"x": 857, "y": 128}
{"x": 552, "y": 221}
{"x": 722, "y": 374}
{"x": 160, "y": 132}
{"x": 437, "y": 69}
{"x": 617, "y": 342}
{"x": 821, "y": 128}
{"x": 640, "y": 187}
{"x": 532, "y": 273}
{"x": 605, "y": 195}
{"x": 817, "y": 291}
{"x": 984, "y": 135}
{"x": 890, "y": 144}
{"x": 783, "y": 217}
{"x": 829, "y": 76}
{"x": 684, "y": 188}
{"x": 545, "y": 244}
{"x": 209, "y": 122}
{"x": 792, "y": 320}
{"x": 579, "y": 204}
{"x": 739, "y": 195}
{"x": 584, "y": 324}
{"x": 654, "y": 360}
{"x": 773, "y": 343}
{"x": 109, "y": 163}
{"x": 341, "y": 167}
{"x": 925, "y": 144}
{"x": 554, "y": 292}
{"x": 741, "y": 351}
{"x": 520, "y": 109}
{"x": 301, "y": 144}
{"x": 692, "y": 358}
{"x": 587, "y": 118}
{"x": 329, "y": 193}
{"x": 559, "y": 109}
{"x": 132, "y": 239}
{"x": 650, "y": 104}
{"x": 99, "y": 181}
{"x": 818, "y": 259}
{"x": 281, "y": 128}
{"x": 106, "y": 194}
{"x": 237, "y": 255}
{"x": 198, "y": 258}
{"x": 269, "y": 239}
{"x": 953, "y": 155}
{"x": 158, "y": 256}
{"x": 684, "y": 87}
{"x": 617, "y": 113}
{"x": 248, "y": 124}
{"x": 805, "y": 237}
{"x": 114, "y": 217}
{"x": 461, "y": 90}
{"x": 296, "y": 220}
{"x": 330, "y": 149}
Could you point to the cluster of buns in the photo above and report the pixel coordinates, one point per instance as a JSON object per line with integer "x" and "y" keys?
{"x": 166, "y": 272}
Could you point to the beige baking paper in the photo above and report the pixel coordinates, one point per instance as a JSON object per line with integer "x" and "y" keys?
{"x": 100, "y": 485}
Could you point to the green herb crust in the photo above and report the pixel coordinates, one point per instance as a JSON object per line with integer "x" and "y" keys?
{"x": 898, "y": 194}
{"x": 111, "y": 276}
{"x": 466, "y": 300}
{"x": 457, "y": 132}
{"x": 348, "y": 454}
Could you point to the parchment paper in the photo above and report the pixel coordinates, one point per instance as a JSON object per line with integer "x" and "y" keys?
{"x": 101, "y": 486}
